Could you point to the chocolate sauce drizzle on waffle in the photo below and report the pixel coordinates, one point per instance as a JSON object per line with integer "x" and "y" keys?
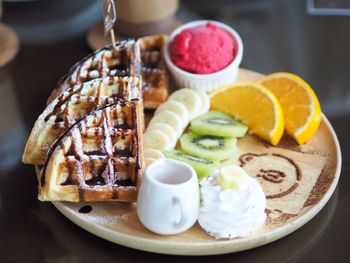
{"x": 120, "y": 60}
{"x": 129, "y": 58}
{"x": 101, "y": 151}
{"x": 153, "y": 68}
{"x": 72, "y": 105}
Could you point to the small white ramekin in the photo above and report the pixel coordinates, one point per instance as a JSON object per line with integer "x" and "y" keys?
{"x": 205, "y": 82}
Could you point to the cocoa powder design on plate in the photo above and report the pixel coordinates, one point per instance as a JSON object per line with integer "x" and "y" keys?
{"x": 273, "y": 175}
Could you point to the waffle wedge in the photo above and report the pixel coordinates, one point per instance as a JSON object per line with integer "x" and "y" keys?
{"x": 122, "y": 60}
{"x": 98, "y": 159}
{"x": 129, "y": 58}
{"x": 72, "y": 105}
{"x": 154, "y": 73}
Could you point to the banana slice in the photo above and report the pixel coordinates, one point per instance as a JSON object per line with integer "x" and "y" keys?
{"x": 170, "y": 118}
{"x": 232, "y": 177}
{"x": 148, "y": 161}
{"x": 153, "y": 154}
{"x": 167, "y": 129}
{"x": 176, "y": 107}
{"x": 190, "y": 99}
{"x": 205, "y": 101}
{"x": 156, "y": 139}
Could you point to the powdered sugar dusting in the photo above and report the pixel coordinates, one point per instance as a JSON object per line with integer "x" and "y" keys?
{"x": 111, "y": 219}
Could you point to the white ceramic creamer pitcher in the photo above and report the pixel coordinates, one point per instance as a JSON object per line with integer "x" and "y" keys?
{"x": 168, "y": 200}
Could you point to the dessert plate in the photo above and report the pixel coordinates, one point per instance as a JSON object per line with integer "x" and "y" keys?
{"x": 307, "y": 176}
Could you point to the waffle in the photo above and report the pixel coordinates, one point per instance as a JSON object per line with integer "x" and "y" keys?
{"x": 98, "y": 159}
{"x": 123, "y": 60}
{"x": 155, "y": 77}
{"x": 73, "y": 104}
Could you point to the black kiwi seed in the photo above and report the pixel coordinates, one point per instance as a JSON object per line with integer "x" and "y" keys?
{"x": 220, "y": 142}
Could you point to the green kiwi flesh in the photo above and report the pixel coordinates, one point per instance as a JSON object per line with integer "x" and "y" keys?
{"x": 217, "y": 123}
{"x": 209, "y": 147}
{"x": 203, "y": 167}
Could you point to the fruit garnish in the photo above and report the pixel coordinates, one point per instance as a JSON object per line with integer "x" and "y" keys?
{"x": 202, "y": 166}
{"x": 157, "y": 139}
{"x": 190, "y": 99}
{"x": 301, "y": 108}
{"x": 204, "y": 100}
{"x": 218, "y": 124}
{"x": 167, "y": 129}
{"x": 254, "y": 105}
{"x": 177, "y": 108}
{"x": 169, "y": 118}
{"x": 213, "y": 148}
{"x": 232, "y": 177}
{"x": 153, "y": 153}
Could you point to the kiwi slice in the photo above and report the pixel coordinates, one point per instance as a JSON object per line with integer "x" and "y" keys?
{"x": 210, "y": 147}
{"x": 217, "y": 123}
{"x": 203, "y": 167}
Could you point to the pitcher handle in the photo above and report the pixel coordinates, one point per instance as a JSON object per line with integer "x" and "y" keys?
{"x": 184, "y": 211}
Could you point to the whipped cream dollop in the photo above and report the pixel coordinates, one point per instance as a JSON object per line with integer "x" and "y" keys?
{"x": 231, "y": 212}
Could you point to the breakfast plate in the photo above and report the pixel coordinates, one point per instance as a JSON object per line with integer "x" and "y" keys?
{"x": 308, "y": 175}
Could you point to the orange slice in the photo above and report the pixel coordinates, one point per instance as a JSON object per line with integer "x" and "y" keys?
{"x": 301, "y": 108}
{"x": 254, "y": 105}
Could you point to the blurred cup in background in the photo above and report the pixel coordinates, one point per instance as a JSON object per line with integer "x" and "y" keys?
{"x": 12, "y": 131}
{"x": 136, "y": 18}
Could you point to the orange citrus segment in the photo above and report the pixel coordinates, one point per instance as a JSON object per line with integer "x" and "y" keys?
{"x": 301, "y": 108}
{"x": 254, "y": 105}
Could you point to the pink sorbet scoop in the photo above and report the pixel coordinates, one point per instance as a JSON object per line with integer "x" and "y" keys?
{"x": 203, "y": 49}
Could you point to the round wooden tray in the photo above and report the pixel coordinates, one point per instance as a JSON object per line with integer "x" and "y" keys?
{"x": 311, "y": 171}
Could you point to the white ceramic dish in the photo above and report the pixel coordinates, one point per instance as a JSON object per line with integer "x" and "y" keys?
{"x": 206, "y": 82}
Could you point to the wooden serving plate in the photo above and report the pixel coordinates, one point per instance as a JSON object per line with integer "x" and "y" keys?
{"x": 308, "y": 173}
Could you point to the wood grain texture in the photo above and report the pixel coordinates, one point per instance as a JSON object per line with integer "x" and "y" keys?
{"x": 307, "y": 176}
